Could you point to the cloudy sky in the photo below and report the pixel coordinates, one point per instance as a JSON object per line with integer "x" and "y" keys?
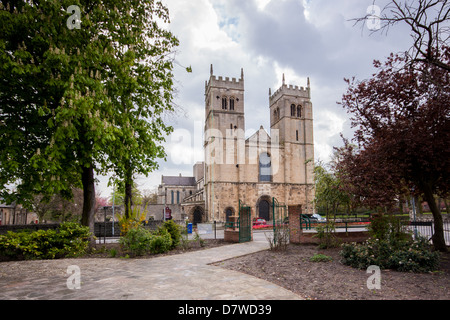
{"x": 300, "y": 38}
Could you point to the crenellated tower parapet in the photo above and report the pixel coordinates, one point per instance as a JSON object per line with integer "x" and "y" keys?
{"x": 221, "y": 82}
{"x": 290, "y": 90}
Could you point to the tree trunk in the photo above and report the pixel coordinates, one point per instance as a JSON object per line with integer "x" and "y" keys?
{"x": 438, "y": 236}
{"x": 128, "y": 201}
{"x": 447, "y": 208}
{"x": 87, "y": 179}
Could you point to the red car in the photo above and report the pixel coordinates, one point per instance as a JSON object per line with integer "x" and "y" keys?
{"x": 259, "y": 221}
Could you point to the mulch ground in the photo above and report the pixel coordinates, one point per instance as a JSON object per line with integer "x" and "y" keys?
{"x": 293, "y": 270}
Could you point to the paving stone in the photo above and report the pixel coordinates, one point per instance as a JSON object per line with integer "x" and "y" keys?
{"x": 186, "y": 276}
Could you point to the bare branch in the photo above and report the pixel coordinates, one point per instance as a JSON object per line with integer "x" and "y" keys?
{"x": 429, "y": 21}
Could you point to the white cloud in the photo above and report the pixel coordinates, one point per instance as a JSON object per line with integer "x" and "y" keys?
{"x": 291, "y": 77}
{"x": 197, "y": 23}
{"x": 327, "y": 126}
{"x": 261, "y": 4}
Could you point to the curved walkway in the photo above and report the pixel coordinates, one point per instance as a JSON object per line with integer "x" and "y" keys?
{"x": 179, "y": 277}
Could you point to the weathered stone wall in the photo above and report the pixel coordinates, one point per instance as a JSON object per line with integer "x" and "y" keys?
{"x": 227, "y": 195}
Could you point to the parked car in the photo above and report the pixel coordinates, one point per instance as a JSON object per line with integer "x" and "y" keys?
{"x": 318, "y": 217}
{"x": 259, "y": 221}
{"x": 315, "y": 217}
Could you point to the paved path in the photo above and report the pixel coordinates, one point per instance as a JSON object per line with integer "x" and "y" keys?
{"x": 186, "y": 276}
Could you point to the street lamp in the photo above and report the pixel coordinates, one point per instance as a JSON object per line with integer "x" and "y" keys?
{"x": 414, "y": 213}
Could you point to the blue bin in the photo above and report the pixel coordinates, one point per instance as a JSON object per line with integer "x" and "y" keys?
{"x": 189, "y": 228}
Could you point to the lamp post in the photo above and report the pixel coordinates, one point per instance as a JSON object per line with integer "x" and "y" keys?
{"x": 113, "y": 210}
{"x": 414, "y": 213}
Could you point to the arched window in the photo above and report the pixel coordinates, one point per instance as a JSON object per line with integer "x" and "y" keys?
{"x": 265, "y": 167}
{"x": 292, "y": 110}
{"x": 232, "y": 104}
{"x": 275, "y": 115}
{"x": 299, "y": 111}
{"x": 278, "y": 114}
{"x": 178, "y": 196}
{"x": 172, "y": 197}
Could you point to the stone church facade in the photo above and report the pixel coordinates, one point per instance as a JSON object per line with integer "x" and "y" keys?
{"x": 253, "y": 170}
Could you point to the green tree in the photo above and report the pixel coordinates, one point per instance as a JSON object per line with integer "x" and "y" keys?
{"x": 31, "y": 86}
{"x": 119, "y": 195}
{"x": 81, "y": 100}
{"x": 141, "y": 93}
{"x": 328, "y": 194}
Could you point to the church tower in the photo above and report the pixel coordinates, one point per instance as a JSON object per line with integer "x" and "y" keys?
{"x": 291, "y": 123}
{"x": 224, "y": 140}
{"x": 224, "y": 103}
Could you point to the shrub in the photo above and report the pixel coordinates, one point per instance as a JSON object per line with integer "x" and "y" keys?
{"x": 113, "y": 253}
{"x": 201, "y": 242}
{"x": 279, "y": 239}
{"x": 135, "y": 220}
{"x": 161, "y": 242}
{"x": 136, "y": 241}
{"x": 415, "y": 256}
{"x": 174, "y": 230}
{"x": 318, "y": 257}
{"x": 326, "y": 235}
{"x": 70, "y": 240}
{"x": 139, "y": 241}
{"x": 390, "y": 247}
{"x": 387, "y": 227}
{"x": 74, "y": 238}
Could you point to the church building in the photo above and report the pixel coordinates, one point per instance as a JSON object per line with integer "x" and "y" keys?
{"x": 252, "y": 171}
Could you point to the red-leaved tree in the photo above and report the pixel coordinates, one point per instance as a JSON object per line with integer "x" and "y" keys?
{"x": 401, "y": 143}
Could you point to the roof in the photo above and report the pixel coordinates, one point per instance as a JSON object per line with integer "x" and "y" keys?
{"x": 4, "y": 205}
{"x": 260, "y": 135}
{"x": 178, "y": 181}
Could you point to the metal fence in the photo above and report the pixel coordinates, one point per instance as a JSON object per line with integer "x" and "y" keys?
{"x": 426, "y": 229}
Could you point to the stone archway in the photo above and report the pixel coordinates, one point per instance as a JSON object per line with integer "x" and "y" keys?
{"x": 229, "y": 211}
{"x": 197, "y": 215}
{"x": 263, "y": 208}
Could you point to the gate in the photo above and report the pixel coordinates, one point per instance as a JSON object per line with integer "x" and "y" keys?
{"x": 245, "y": 223}
{"x": 280, "y": 221}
